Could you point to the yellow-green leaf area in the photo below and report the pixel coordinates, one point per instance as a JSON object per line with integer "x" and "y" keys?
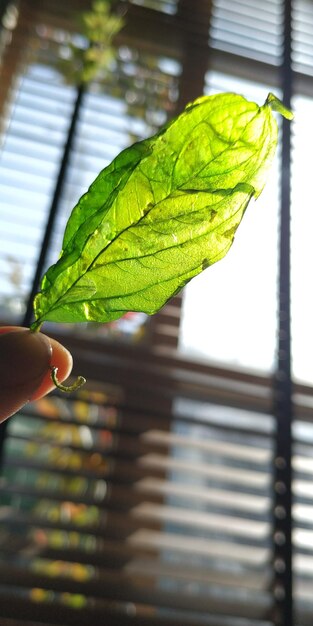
{"x": 161, "y": 212}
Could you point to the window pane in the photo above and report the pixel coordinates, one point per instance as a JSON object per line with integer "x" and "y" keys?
{"x": 229, "y": 311}
{"x": 301, "y": 241}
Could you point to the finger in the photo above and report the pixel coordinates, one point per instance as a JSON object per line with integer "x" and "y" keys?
{"x": 25, "y": 367}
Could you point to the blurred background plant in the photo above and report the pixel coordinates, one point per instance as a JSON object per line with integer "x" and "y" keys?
{"x": 92, "y": 55}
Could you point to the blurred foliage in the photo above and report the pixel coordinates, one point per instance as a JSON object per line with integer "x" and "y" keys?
{"x": 75, "y": 600}
{"x": 91, "y": 56}
{"x": 55, "y": 569}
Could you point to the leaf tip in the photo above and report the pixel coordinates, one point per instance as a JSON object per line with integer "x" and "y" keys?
{"x": 276, "y": 105}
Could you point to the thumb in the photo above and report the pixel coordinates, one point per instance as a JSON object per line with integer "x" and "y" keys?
{"x": 25, "y": 361}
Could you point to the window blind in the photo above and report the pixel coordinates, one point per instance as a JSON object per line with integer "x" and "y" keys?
{"x": 137, "y": 512}
{"x": 303, "y": 517}
{"x": 248, "y": 29}
{"x": 156, "y": 496}
{"x": 165, "y": 6}
{"x": 302, "y": 47}
{"x": 148, "y": 498}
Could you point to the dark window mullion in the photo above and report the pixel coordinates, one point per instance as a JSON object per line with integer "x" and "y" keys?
{"x": 283, "y": 409}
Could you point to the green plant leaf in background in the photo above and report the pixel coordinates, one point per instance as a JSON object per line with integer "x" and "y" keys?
{"x": 164, "y": 210}
{"x": 93, "y": 56}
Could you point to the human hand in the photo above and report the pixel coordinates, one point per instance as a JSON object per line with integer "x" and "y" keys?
{"x": 25, "y": 367}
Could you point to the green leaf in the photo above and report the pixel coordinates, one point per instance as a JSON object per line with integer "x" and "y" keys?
{"x": 164, "y": 210}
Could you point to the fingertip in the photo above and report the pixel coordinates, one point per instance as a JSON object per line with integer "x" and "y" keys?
{"x": 25, "y": 359}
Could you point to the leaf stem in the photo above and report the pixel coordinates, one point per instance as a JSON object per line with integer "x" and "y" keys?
{"x": 79, "y": 382}
{"x": 35, "y": 326}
